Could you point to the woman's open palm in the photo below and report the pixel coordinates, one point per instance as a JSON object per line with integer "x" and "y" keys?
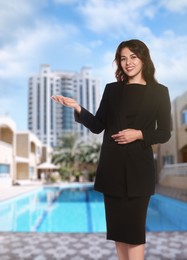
{"x": 66, "y": 101}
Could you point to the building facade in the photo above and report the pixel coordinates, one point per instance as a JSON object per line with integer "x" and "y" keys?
{"x": 175, "y": 151}
{"x": 20, "y": 153}
{"x": 28, "y": 155}
{"x": 87, "y": 93}
{"x": 49, "y": 120}
{"x": 7, "y": 149}
{"x": 172, "y": 156}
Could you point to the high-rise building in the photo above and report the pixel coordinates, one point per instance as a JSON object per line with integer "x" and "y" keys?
{"x": 87, "y": 92}
{"x": 49, "y": 120}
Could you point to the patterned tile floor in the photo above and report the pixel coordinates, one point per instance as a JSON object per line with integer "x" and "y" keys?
{"x": 86, "y": 246}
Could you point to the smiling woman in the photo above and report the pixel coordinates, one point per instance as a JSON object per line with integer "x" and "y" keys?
{"x": 135, "y": 114}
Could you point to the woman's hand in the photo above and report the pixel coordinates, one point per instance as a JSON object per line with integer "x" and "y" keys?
{"x": 127, "y": 136}
{"x": 68, "y": 102}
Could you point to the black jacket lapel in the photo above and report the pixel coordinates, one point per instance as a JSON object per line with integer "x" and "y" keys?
{"x": 147, "y": 106}
{"x": 122, "y": 105}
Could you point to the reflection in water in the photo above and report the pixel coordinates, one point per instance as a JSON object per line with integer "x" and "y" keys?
{"x": 80, "y": 210}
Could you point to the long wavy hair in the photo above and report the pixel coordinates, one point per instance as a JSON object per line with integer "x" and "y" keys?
{"x": 142, "y": 52}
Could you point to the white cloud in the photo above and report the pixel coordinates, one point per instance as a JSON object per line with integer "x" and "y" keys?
{"x": 115, "y": 17}
{"x": 95, "y": 44}
{"x": 28, "y": 38}
{"x": 15, "y": 16}
{"x": 16, "y": 59}
{"x": 169, "y": 54}
{"x": 121, "y": 20}
{"x": 175, "y": 6}
{"x": 68, "y": 2}
{"x": 14, "y": 104}
{"x": 107, "y": 70}
{"x": 5, "y": 104}
{"x": 81, "y": 49}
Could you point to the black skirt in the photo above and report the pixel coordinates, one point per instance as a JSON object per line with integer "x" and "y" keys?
{"x": 126, "y": 218}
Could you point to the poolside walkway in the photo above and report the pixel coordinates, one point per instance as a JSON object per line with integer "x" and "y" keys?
{"x": 85, "y": 246}
{"x": 8, "y": 191}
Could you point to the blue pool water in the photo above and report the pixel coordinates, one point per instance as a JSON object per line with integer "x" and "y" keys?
{"x": 80, "y": 209}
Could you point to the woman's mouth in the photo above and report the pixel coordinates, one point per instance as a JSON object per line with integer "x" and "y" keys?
{"x": 129, "y": 69}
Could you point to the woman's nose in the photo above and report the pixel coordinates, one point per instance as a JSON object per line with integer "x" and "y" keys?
{"x": 127, "y": 61}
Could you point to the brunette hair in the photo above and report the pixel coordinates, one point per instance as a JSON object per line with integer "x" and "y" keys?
{"x": 142, "y": 52}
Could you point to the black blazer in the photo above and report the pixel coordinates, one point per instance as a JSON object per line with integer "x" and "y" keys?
{"x": 133, "y": 160}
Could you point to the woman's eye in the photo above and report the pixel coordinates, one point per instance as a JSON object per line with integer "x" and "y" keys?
{"x": 123, "y": 58}
{"x": 134, "y": 57}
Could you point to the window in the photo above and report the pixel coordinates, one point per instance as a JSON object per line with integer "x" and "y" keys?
{"x": 31, "y": 172}
{"x": 94, "y": 98}
{"x": 168, "y": 159}
{"x": 87, "y": 94}
{"x": 38, "y": 106}
{"x": 4, "y": 169}
{"x": 184, "y": 116}
{"x": 81, "y": 95}
{"x": 45, "y": 105}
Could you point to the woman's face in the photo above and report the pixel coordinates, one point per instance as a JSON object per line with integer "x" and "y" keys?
{"x": 131, "y": 65}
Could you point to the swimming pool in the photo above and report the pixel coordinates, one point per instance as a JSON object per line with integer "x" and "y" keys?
{"x": 80, "y": 209}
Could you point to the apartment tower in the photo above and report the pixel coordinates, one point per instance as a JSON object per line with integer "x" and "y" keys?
{"x": 49, "y": 120}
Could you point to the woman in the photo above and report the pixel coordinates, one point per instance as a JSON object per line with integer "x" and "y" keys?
{"x": 134, "y": 113}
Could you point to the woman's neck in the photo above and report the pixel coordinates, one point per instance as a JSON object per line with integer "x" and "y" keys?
{"x": 135, "y": 81}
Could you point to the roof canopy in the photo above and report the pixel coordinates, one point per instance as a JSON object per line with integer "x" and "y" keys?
{"x": 47, "y": 166}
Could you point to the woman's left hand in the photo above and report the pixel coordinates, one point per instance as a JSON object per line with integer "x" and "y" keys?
{"x": 127, "y": 136}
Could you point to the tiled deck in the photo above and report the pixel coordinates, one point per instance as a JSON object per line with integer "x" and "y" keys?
{"x": 85, "y": 246}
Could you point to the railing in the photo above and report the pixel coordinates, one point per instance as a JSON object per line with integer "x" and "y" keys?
{"x": 174, "y": 170}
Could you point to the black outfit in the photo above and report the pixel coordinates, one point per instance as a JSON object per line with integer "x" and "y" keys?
{"x": 126, "y": 216}
{"x": 126, "y": 173}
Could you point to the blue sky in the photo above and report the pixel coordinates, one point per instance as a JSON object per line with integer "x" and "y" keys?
{"x": 69, "y": 34}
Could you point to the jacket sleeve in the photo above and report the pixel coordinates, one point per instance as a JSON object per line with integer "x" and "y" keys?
{"x": 95, "y": 123}
{"x": 162, "y": 132}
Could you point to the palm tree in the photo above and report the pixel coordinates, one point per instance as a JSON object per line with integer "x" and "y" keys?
{"x": 65, "y": 155}
{"x": 75, "y": 155}
{"x": 89, "y": 153}
{"x": 88, "y": 157}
